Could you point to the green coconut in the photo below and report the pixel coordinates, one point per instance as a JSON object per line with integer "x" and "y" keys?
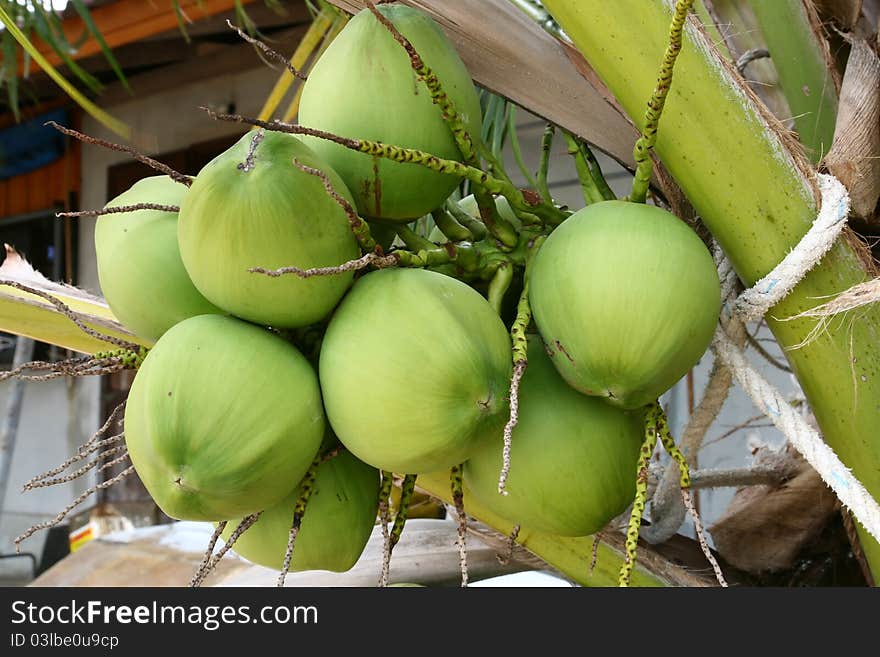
{"x": 251, "y": 207}
{"x": 340, "y": 515}
{"x": 223, "y": 419}
{"x": 626, "y": 298}
{"x": 363, "y": 87}
{"x": 572, "y": 459}
{"x": 139, "y": 267}
{"x": 414, "y": 370}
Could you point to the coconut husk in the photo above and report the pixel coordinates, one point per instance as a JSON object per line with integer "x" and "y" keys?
{"x": 765, "y": 528}
{"x": 854, "y": 157}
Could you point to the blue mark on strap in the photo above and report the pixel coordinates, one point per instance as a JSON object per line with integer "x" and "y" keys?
{"x": 773, "y": 282}
{"x": 840, "y": 479}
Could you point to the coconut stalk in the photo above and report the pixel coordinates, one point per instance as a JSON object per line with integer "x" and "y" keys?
{"x": 706, "y": 13}
{"x": 572, "y": 556}
{"x": 807, "y": 74}
{"x": 35, "y": 317}
{"x": 743, "y": 39}
{"x": 755, "y": 191}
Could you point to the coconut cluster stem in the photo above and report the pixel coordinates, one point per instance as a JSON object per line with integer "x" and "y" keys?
{"x": 596, "y": 171}
{"x": 119, "y": 209}
{"x": 476, "y": 228}
{"x": 79, "y": 500}
{"x": 97, "y": 442}
{"x": 306, "y": 486}
{"x": 590, "y": 189}
{"x": 407, "y": 489}
{"x": 499, "y": 285}
{"x": 384, "y": 519}
{"x": 525, "y": 205}
{"x": 456, "y": 481}
{"x": 451, "y": 229}
{"x": 480, "y": 260}
{"x": 359, "y": 227}
{"x": 140, "y": 157}
{"x": 453, "y": 119}
{"x": 657, "y": 418}
{"x": 498, "y": 226}
{"x": 269, "y": 52}
{"x": 635, "y": 518}
{"x": 544, "y": 166}
{"x": 209, "y": 564}
{"x": 519, "y": 349}
{"x": 645, "y": 143}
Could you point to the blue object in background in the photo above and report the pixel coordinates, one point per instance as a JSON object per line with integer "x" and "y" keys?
{"x": 31, "y": 145}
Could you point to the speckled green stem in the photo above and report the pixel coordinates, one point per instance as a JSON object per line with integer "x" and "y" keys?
{"x": 424, "y": 72}
{"x": 412, "y": 240}
{"x": 645, "y": 143}
{"x": 519, "y": 350}
{"x": 306, "y": 486}
{"x": 450, "y": 228}
{"x": 499, "y": 285}
{"x": 596, "y": 172}
{"x": 501, "y": 229}
{"x": 385, "y": 492}
{"x": 658, "y": 417}
{"x": 129, "y": 359}
{"x": 475, "y": 226}
{"x": 588, "y": 185}
{"x": 482, "y": 181}
{"x": 524, "y": 309}
{"x": 407, "y": 488}
{"x": 544, "y": 166}
{"x": 456, "y": 481}
{"x": 359, "y": 227}
{"x": 635, "y": 518}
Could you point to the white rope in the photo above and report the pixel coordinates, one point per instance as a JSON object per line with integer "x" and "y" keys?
{"x": 775, "y": 286}
{"x": 754, "y": 303}
{"x": 801, "y": 435}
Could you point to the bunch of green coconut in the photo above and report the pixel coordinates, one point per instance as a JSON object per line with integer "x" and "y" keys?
{"x": 297, "y": 351}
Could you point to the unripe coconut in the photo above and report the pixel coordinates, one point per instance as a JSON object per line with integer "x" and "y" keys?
{"x": 364, "y": 87}
{"x": 139, "y": 266}
{"x": 572, "y": 459}
{"x": 251, "y": 207}
{"x": 414, "y": 370}
{"x": 340, "y": 515}
{"x": 626, "y": 298}
{"x": 223, "y": 419}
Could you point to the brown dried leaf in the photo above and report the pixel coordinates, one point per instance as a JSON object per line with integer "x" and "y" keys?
{"x": 844, "y": 13}
{"x": 765, "y": 527}
{"x": 854, "y": 157}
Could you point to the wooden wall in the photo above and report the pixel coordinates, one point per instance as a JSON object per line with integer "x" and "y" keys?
{"x": 48, "y": 187}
